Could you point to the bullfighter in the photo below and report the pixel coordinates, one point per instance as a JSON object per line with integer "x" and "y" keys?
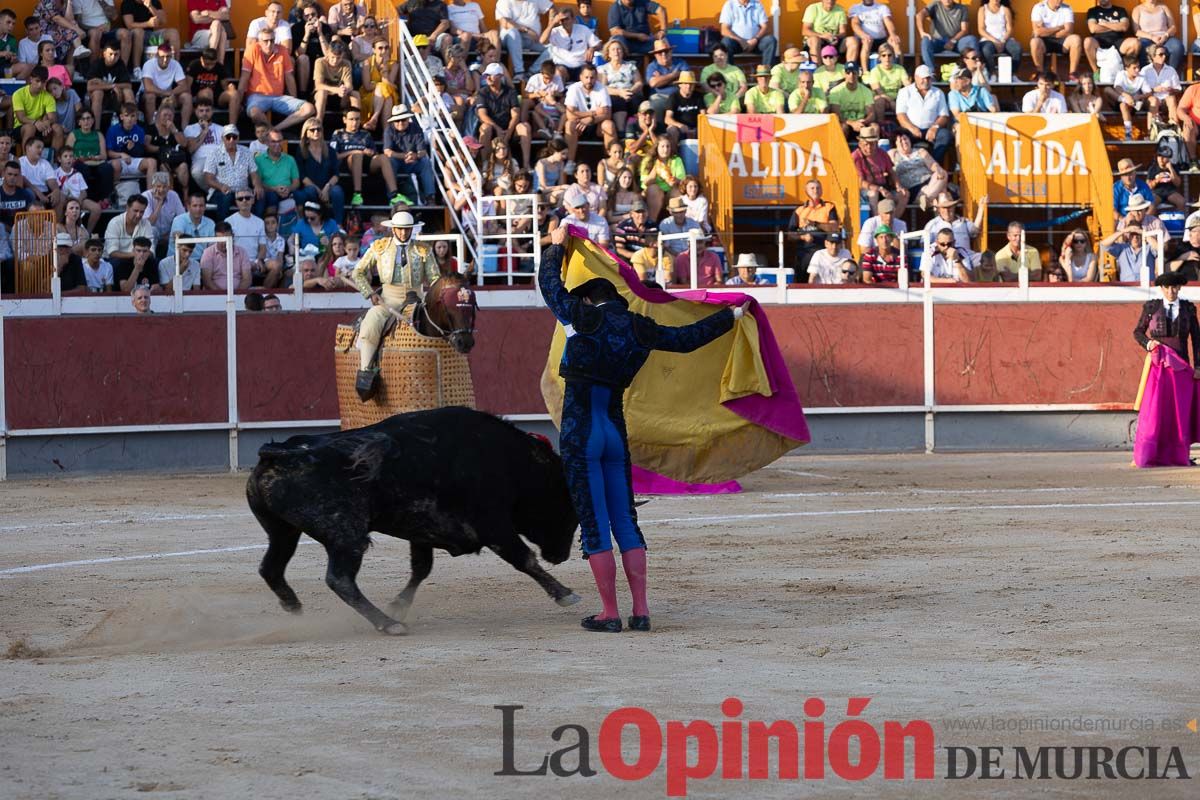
{"x": 606, "y": 346}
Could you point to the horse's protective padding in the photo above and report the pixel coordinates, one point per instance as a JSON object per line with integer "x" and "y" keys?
{"x": 417, "y": 373}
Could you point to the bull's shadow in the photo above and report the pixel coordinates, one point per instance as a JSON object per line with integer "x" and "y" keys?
{"x": 451, "y": 478}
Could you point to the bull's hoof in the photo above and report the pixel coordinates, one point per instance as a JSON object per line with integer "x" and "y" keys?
{"x": 569, "y": 600}
{"x": 399, "y": 611}
{"x": 292, "y": 608}
{"x": 395, "y": 629}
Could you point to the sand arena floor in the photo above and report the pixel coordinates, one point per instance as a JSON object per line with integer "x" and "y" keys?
{"x": 959, "y": 589}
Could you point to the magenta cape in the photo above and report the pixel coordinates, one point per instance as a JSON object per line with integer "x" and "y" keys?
{"x": 1169, "y": 418}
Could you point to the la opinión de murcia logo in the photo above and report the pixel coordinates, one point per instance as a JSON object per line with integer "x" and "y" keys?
{"x": 735, "y": 749}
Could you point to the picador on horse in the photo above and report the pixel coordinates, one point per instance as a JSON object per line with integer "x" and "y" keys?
{"x": 405, "y": 266}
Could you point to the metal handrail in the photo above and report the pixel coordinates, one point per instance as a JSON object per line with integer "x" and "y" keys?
{"x": 454, "y": 165}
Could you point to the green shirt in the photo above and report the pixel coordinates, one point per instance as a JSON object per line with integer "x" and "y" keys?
{"x": 824, "y": 78}
{"x": 87, "y": 145}
{"x": 277, "y": 173}
{"x": 891, "y": 81}
{"x": 852, "y": 103}
{"x": 816, "y": 102}
{"x": 784, "y": 79}
{"x": 732, "y": 104}
{"x": 9, "y": 43}
{"x": 757, "y": 101}
{"x": 33, "y": 107}
{"x": 734, "y": 77}
{"x": 823, "y": 21}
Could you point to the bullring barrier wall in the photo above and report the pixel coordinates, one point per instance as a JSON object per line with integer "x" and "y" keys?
{"x": 934, "y": 369}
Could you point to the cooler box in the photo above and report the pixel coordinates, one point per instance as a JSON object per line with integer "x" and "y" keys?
{"x": 689, "y": 151}
{"x": 684, "y": 40}
{"x": 1173, "y": 220}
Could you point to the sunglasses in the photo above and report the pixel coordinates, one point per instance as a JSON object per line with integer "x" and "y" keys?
{"x": 825, "y": 57}
{"x": 245, "y": 199}
{"x": 370, "y": 27}
{"x": 231, "y": 136}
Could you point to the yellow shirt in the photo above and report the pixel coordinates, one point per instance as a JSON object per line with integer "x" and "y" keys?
{"x": 1007, "y": 262}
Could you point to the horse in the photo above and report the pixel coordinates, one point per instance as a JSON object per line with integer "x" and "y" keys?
{"x": 448, "y": 312}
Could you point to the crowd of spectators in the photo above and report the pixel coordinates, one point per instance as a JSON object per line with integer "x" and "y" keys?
{"x": 598, "y": 117}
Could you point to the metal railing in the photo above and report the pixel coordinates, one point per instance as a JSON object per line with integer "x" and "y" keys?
{"x": 497, "y": 216}
{"x": 457, "y": 176}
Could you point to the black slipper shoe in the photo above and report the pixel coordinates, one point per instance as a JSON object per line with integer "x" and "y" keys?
{"x": 597, "y": 625}
{"x": 637, "y": 623}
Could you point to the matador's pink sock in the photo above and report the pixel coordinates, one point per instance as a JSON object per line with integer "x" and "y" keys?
{"x": 604, "y": 570}
{"x": 635, "y": 572}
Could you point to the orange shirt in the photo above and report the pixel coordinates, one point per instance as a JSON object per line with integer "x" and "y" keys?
{"x": 820, "y": 214}
{"x": 267, "y": 71}
{"x": 1190, "y": 102}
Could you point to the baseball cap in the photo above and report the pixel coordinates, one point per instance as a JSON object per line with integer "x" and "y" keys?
{"x": 886, "y": 205}
{"x": 638, "y": 205}
{"x": 833, "y": 237}
{"x": 884, "y": 230}
{"x": 829, "y": 50}
{"x": 646, "y": 105}
{"x": 493, "y": 69}
{"x": 853, "y": 67}
{"x": 229, "y": 130}
{"x": 578, "y": 201}
{"x": 923, "y": 72}
{"x": 63, "y": 240}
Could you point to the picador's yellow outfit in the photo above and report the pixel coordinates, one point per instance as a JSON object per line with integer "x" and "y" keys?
{"x": 403, "y": 267}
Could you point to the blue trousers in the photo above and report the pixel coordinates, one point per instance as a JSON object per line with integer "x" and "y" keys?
{"x": 931, "y": 47}
{"x": 595, "y": 454}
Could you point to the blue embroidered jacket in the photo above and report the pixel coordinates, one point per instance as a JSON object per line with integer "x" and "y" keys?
{"x": 608, "y": 343}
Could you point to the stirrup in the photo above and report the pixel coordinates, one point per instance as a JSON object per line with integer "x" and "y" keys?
{"x": 366, "y": 383}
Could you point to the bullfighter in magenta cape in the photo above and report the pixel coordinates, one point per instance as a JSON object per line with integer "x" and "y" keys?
{"x": 606, "y": 346}
{"x": 1169, "y": 399}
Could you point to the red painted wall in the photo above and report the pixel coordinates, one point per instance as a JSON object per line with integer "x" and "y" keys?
{"x": 1036, "y": 353}
{"x": 103, "y": 371}
{"x": 167, "y": 369}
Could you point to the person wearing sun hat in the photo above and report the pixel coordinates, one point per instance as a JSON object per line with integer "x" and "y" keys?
{"x": 1140, "y": 214}
{"x": 785, "y": 74}
{"x": 662, "y": 76}
{"x": 1126, "y": 185}
{"x": 761, "y": 98}
{"x": 829, "y": 73}
{"x": 403, "y": 266}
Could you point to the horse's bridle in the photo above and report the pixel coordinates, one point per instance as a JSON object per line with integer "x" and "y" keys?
{"x": 442, "y": 332}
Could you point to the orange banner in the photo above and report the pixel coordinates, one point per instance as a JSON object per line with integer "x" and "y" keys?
{"x": 765, "y": 160}
{"x": 1053, "y": 159}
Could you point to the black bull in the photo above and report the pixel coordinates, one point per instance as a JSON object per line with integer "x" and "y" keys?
{"x": 451, "y": 478}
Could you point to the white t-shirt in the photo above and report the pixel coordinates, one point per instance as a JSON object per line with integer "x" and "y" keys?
{"x": 283, "y": 31}
{"x": 871, "y": 18}
{"x": 1055, "y": 103}
{"x": 465, "y": 17}
{"x": 537, "y": 83}
{"x": 210, "y": 143}
{"x": 826, "y": 268}
{"x": 89, "y": 13}
{"x": 163, "y": 78}
{"x": 1134, "y": 86}
{"x": 190, "y": 274}
{"x": 568, "y": 49}
{"x": 98, "y": 278}
{"x": 27, "y": 49}
{"x": 579, "y": 99}
{"x": 524, "y": 12}
{"x": 41, "y": 174}
{"x": 248, "y": 233}
{"x": 1043, "y": 15}
{"x": 74, "y": 185}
